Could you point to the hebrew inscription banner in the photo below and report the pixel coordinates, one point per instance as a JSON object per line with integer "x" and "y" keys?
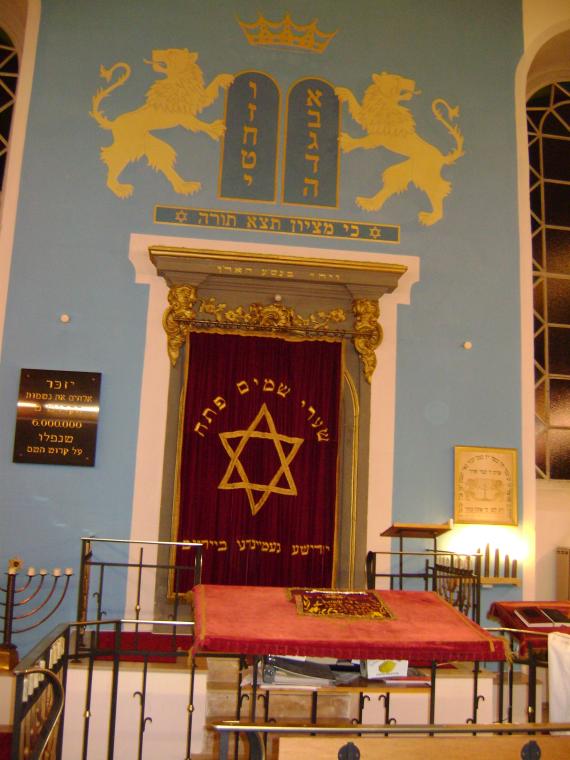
{"x": 257, "y": 480}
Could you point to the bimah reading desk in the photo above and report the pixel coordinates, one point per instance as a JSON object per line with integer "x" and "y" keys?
{"x": 256, "y": 620}
{"x": 532, "y": 640}
{"x": 417, "y": 530}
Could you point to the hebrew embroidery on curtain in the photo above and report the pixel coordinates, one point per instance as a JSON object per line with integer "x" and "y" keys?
{"x": 258, "y": 459}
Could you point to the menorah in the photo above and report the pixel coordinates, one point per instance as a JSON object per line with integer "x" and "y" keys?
{"x": 35, "y": 600}
{"x": 457, "y": 580}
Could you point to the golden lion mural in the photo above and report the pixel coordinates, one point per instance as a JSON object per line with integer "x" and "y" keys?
{"x": 174, "y": 101}
{"x": 390, "y": 125}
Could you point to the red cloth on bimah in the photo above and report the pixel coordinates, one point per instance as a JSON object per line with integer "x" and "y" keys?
{"x": 261, "y": 620}
{"x": 504, "y": 613}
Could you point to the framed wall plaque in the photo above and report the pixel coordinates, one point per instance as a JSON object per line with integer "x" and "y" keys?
{"x": 485, "y": 485}
{"x": 57, "y": 417}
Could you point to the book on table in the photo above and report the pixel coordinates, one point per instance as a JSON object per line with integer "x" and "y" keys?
{"x": 414, "y": 677}
{"x": 305, "y": 672}
{"x": 540, "y": 616}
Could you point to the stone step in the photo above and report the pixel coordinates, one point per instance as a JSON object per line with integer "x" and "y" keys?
{"x": 288, "y": 705}
{"x": 223, "y": 669}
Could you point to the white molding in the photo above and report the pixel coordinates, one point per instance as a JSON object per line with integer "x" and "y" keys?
{"x": 546, "y": 77}
{"x": 541, "y": 20}
{"x": 11, "y": 191}
{"x": 528, "y": 491}
{"x": 156, "y": 372}
{"x": 529, "y": 485}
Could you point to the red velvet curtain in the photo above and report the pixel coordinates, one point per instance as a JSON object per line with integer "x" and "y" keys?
{"x": 258, "y": 459}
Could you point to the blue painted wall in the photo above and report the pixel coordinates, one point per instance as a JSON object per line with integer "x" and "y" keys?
{"x": 72, "y": 234}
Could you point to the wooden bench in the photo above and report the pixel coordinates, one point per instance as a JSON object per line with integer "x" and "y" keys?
{"x": 388, "y": 742}
{"x": 427, "y": 748}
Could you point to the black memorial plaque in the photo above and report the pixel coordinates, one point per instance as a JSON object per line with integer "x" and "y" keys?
{"x": 57, "y": 416}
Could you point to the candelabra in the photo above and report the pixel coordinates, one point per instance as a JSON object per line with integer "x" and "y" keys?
{"x": 34, "y": 601}
{"x": 457, "y": 581}
{"x": 494, "y": 572}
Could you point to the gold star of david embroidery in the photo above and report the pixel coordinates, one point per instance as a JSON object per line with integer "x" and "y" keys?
{"x": 283, "y": 471}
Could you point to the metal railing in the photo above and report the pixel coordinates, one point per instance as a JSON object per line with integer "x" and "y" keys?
{"x": 39, "y": 698}
{"x": 256, "y": 734}
{"x": 102, "y": 565}
{"x": 537, "y": 657}
{"x": 455, "y": 577}
{"x": 42, "y": 677}
{"x": 96, "y": 713}
{"x": 99, "y": 646}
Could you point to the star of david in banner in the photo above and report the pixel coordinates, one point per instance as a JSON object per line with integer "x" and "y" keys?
{"x": 278, "y": 442}
{"x": 258, "y": 460}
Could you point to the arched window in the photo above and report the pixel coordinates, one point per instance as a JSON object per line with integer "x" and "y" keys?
{"x": 8, "y": 82}
{"x": 548, "y": 118}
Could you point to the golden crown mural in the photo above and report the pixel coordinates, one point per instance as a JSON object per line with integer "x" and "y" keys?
{"x": 286, "y": 33}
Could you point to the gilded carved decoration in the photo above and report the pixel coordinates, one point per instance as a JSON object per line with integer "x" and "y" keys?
{"x": 273, "y": 315}
{"x": 367, "y": 333}
{"x": 178, "y": 318}
{"x": 185, "y": 307}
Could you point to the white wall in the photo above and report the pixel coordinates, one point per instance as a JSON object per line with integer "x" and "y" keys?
{"x": 540, "y": 15}
{"x": 547, "y": 56}
{"x": 166, "y": 702}
{"x": 552, "y": 530}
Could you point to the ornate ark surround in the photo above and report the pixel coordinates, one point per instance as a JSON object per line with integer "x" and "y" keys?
{"x": 261, "y": 293}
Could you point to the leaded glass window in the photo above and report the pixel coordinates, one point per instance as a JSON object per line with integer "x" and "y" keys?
{"x": 8, "y": 82}
{"x": 548, "y": 117}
